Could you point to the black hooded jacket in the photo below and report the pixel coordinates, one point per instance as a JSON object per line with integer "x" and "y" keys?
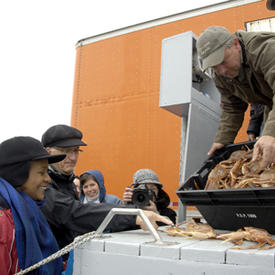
{"x": 162, "y": 203}
{"x": 256, "y": 119}
{"x": 68, "y": 217}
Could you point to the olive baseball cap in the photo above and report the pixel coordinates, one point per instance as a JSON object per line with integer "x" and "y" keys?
{"x": 211, "y": 46}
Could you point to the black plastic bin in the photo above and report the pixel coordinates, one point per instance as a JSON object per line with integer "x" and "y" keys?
{"x": 229, "y": 209}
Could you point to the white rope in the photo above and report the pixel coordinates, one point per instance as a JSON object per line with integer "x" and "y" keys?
{"x": 77, "y": 242}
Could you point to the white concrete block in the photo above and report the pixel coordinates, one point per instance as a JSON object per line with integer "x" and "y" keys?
{"x": 94, "y": 245}
{"x": 125, "y": 248}
{"x": 211, "y": 251}
{"x": 251, "y": 256}
{"x": 170, "y": 250}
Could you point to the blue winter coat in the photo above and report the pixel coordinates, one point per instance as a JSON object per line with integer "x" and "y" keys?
{"x": 103, "y": 197}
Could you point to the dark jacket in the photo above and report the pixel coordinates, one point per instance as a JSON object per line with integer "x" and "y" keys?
{"x": 256, "y": 119}
{"x": 68, "y": 217}
{"x": 162, "y": 203}
{"x": 254, "y": 84}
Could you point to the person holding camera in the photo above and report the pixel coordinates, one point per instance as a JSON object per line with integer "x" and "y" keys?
{"x": 147, "y": 194}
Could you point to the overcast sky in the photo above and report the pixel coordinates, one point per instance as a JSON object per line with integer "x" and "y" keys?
{"x": 37, "y": 53}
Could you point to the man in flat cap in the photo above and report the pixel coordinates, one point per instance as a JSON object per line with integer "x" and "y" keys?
{"x": 67, "y": 216}
{"x": 244, "y": 72}
{"x": 63, "y": 139}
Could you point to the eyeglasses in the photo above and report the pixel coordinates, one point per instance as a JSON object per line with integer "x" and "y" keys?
{"x": 69, "y": 151}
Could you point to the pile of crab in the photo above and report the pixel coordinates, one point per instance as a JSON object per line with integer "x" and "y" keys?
{"x": 240, "y": 171}
{"x": 202, "y": 231}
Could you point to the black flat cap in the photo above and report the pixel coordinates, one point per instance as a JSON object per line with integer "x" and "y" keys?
{"x": 270, "y": 4}
{"x": 23, "y": 149}
{"x": 62, "y": 136}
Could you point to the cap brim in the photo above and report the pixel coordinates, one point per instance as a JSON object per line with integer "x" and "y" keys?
{"x": 51, "y": 158}
{"x": 69, "y": 143}
{"x": 150, "y": 181}
{"x": 270, "y": 4}
{"x": 213, "y": 59}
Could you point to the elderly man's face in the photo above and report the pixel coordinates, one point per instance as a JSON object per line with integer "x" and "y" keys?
{"x": 67, "y": 165}
{"x": 230, "y": 67}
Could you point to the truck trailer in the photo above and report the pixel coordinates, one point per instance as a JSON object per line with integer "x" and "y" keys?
{"x": 117, "y": 88}
{"x": 142, "y": 101}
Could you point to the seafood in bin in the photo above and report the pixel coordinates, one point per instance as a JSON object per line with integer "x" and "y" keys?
{"x": 240, "y": 171}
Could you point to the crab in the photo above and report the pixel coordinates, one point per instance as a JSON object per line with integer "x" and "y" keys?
{"x": 217, "y": 175}
{"x": 202, "y": 231}
{"x": 251, "y": 168}
{"x": 265, "y": 179}
{"x": 236, "y": 171}
{"x": 241, "y": 154}
{"x": 268, "y": 173}
{"x": 262, "y": 238}
{"x": 193, "y": 230}
{"x": 240, "y": 171}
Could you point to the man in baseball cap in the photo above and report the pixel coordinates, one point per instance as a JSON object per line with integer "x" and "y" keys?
{"x": 211, "y": 46}
{"x": 243, "y": 64}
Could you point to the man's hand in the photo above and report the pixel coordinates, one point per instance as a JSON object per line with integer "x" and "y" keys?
{"x": 153, "y": 217}
{"x": 127, "y": 195}
{"x": 215, "y": 146}
{"x": 251, "y": 137}
{"x": 265, "y": 146}
{"x": 151, "y": 207}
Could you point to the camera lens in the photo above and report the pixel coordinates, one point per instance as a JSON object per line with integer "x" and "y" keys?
{"x": 142, "y": 195}
{"x": 140, "y": 198}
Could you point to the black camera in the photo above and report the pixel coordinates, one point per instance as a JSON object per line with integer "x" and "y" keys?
{"x": 142, "y": 195}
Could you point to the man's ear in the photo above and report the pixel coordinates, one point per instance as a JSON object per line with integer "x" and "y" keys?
{"x": 48, "y": 149}
{"x": 236, "y": 42}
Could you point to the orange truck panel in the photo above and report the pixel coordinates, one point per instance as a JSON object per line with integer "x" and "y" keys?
{"x": 116, "y": 97}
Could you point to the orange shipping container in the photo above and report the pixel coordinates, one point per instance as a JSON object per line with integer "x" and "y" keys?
{"x": 116, "y": 95}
